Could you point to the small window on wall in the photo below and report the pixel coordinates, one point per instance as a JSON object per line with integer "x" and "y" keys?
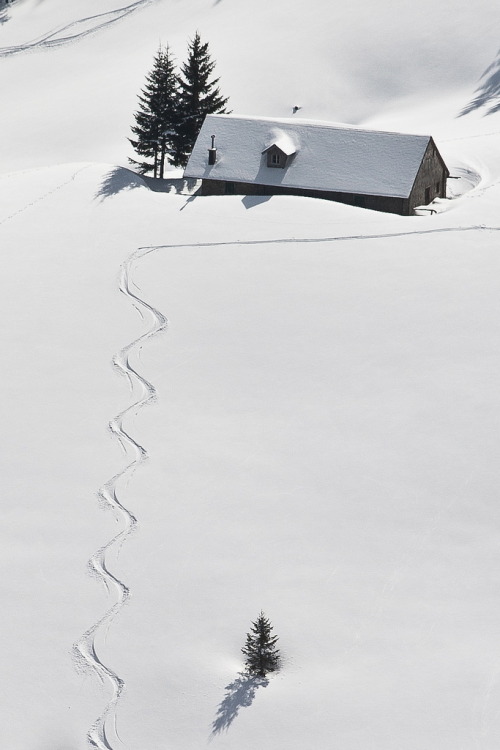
{"x": 427, "y": 195}
{"x": 275, "y": 159}
{"x": 229, "y": 188}
{"x": 438, "y": 187}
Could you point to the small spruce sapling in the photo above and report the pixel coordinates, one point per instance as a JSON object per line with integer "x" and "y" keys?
{"x": 260, "y": 650}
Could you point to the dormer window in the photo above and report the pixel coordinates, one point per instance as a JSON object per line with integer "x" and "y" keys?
{"x": 276, "y": 157}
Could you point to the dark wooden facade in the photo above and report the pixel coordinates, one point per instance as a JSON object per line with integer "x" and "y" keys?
{"x": 430, "y": 183}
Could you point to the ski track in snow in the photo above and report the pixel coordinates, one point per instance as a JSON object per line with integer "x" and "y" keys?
{"x": 75, "y": 30}
{"x": 85, "y": 650}
{"x": 104, "y": 730}
{"x": 339, "y": 238}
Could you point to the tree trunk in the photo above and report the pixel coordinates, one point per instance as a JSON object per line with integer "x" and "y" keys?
{"x": 162, "y": 157}
{"x": 156, "y": 162}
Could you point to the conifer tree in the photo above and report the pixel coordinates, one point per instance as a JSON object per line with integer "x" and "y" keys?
{"x": 260, "y": 650}
{"x": 199, "y": 96}
{"x": 158, "y": 116}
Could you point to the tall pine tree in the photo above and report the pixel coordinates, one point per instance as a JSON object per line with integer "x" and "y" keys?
{"x": 260, "y": 650}
{"x": 158, "y": 116}
{"x": 199, "y": 96}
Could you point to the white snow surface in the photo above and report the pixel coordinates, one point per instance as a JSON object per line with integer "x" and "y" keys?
{"x": 315, "y": 431}
{"x": 326, "y": 156}
{"x": 284, "y": 141}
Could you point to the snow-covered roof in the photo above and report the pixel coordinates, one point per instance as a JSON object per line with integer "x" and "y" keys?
{"x": 283, "y": 141}
{"x": 327, "y": 156}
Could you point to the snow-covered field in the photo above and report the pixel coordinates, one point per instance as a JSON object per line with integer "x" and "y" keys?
{"x": 320, "y": 414}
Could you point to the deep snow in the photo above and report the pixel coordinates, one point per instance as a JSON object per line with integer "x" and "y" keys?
{"x": 324, "y": 443}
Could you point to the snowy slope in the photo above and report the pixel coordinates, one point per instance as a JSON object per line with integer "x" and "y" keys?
{"x": 324, "y": 442}
{"x": 71, "y": 71}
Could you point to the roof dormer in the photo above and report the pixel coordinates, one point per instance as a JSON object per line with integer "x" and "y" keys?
{"x": 280, "y": 152}
{"x": 276, "y": 157}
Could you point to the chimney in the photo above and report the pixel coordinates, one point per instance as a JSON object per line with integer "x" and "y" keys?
{"x": 212, "y": 152}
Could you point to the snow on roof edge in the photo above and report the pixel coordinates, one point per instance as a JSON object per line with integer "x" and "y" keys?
{"x": 326, "y": 124}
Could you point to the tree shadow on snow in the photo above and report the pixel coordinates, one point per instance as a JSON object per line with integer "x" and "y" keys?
{"x": 120, "y": 178}
{"x": 177, "y": 185}
{"x": 117, "y": 180}
{"x": 239, "y": 694}
{"x": 488, "y": 93}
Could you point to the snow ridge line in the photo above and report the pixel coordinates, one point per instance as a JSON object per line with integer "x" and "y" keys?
{"x": 85, "y": 649}
{"x": 52, "y": 38}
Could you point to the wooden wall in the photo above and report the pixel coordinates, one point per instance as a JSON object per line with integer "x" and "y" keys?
{"x": 430, "y": 182}
{"x": 374, "y": 202}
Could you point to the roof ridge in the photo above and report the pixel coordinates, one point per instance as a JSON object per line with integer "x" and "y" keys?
{"x": 324, "y": 124}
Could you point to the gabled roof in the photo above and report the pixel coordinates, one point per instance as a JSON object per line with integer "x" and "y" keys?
{"x": 329, "y": 157}
{"x": 283, "y": 142}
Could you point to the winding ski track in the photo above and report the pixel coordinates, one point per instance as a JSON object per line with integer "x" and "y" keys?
{"x": 76, "y": 30}
{"x": 103, "y": 731}
{"x": 85, "y": 649}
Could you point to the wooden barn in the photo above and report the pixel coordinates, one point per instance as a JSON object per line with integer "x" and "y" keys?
{"x": 392, "y": 172}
